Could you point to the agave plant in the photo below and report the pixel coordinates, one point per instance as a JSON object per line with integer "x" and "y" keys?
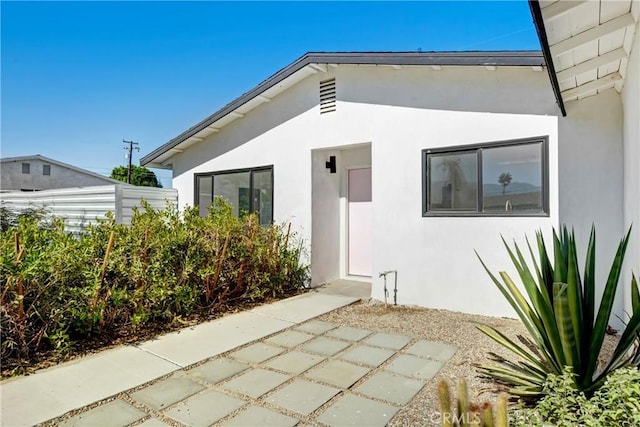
{"x": 566, "y": 327}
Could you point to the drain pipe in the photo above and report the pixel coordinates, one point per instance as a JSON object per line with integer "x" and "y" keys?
{"x": 395, "y": 286}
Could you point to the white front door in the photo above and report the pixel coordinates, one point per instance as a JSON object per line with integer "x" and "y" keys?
{"x": 360, "y": 223}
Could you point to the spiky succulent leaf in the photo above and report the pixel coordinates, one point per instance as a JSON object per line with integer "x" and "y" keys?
{"x": 589, "y": 288}
{"x": 635, "y": 294}
{"x": 560, "y": 314}
{"x": 507, "y": 343}
{"x": 604, "y": 313}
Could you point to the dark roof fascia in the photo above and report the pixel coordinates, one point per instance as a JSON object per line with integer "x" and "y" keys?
{"x": 546, "y": 51}
{"x": 470, "y": 58}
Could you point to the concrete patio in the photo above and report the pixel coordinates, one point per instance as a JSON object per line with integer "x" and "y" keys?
{"x": 272, "y": 365}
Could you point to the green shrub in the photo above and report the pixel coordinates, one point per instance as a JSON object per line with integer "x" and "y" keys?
{"x": 58, "y": 289}
{"x": 10, "y": 217}
{"x": 616, "y": 403}
{"x": 566, "y": 327}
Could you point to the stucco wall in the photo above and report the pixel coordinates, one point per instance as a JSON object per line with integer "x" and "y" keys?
{"x": 325, "y": 202}
{"x": 400, "y": 113}
{"x": 591, "y": 178}
{"x": 631, "y": 155}
{"x": 434, "y": 257}
{"x": 12, "y": 178}
{"x": 329, "y": 210}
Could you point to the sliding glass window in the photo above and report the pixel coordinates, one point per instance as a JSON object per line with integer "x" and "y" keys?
{"x": 247, "y": 190}
{"x": 493, "y": 179}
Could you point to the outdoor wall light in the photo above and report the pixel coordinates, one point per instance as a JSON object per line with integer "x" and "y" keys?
{"x": 331, "y": 164}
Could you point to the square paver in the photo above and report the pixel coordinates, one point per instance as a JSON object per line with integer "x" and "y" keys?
{"x": 217, "y": 370}
{"x": 365, "y": 355}
{"x": 302, "y": 397}
{"x": 205, "y": 409}
{"x": 326, "y": 346}
{"x": 259, "y": 416}
{"x": 394, "y": 389}
{"x": 116, "y": 413}
{"x": 412, "y": 366}
{"x": 167, "y": 392}
{"x": 395, "y": 342}
{"x": 432, "y": 349}
{"x": 289, "y": 338}
{"x": 352, "y": 410}
{"x": 315, "y": 327}
{"x": 295, "y": 362}
{"x": 258, "y": 352}
{"x": 256, "y": 382}
{"x": 337, "y": 372}
{"x": 348, "y": 333}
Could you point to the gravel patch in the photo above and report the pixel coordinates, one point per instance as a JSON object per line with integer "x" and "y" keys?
{"x": 449, "y": 327}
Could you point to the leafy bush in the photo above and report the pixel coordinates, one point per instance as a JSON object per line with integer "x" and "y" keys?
{"x": 58, "y": 289}
{"x": 616, "y": 403}
{"x": 10, "y": 217}
{"x": 561, "y": 317}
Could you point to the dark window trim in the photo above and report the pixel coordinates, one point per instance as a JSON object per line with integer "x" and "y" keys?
{"x": 27, "y": 168}
{"x": 196, "y": 189}
{"x": 46, "y": 170}
{"x": 478, "y": 148}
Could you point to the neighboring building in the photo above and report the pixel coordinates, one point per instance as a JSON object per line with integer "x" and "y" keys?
{"x": 35, "y": 173}
{"x": 411, "y": 161}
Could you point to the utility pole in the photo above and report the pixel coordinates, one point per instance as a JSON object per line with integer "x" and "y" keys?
{"x": 130, "y": 147}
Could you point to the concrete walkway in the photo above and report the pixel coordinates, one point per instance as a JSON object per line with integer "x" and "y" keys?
{"x": 268, "y": 366}
{"x": 54, "y": 391}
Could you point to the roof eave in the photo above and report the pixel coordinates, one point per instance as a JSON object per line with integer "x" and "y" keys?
{"x": 470, "y": 58}
{"x": 536, "y": 12}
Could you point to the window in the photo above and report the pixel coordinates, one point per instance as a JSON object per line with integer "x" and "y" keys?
{"x": 46, "y": 169}
{"x": 247, "y": 190}
{"x": 26, "y": 168}
{"x": 500, "y": 178}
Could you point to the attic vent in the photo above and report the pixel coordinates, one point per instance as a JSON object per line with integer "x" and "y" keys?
{"x": 327, "y": 96}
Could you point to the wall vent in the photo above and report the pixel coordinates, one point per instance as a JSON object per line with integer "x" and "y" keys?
{"x": 328, "y": 96}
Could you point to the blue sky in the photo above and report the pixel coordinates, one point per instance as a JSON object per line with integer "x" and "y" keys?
{"x": 79, "y": 77}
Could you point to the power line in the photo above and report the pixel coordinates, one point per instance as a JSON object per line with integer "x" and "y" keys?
{"x": 502, "y": 36}
{"x": 130, "y": 148}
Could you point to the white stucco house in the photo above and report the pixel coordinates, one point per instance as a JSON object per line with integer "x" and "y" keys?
{"x": 410, "y": 161}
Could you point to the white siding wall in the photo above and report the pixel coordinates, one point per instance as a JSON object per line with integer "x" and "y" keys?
{"x": 399, "y": 112}
{"x": 81, "y": 206}
{"x": 131, "y": 196}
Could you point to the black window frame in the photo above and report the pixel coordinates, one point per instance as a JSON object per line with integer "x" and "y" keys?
{"x": 46, "y": 170}
{"x": 478, "y": 148}
{"x": 26, "y": 168}
{"x": 196, "y": 192}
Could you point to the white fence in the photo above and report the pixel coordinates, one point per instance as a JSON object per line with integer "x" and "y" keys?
{"x": 81, "y": 206}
